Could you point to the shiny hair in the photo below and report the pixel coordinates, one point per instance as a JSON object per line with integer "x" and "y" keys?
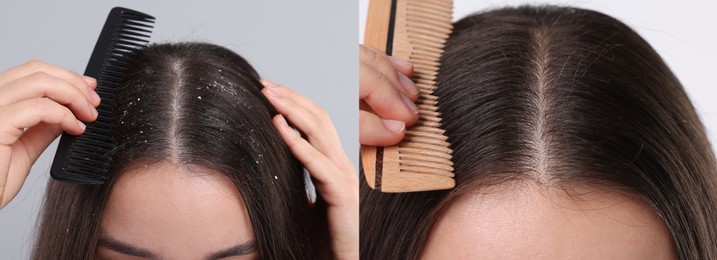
{"x": 560, "y": 96}
{"x": 191, "y": 104}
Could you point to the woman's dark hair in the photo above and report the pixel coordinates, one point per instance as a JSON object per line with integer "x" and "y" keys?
{"x": 191, "y": 104}
{"x": 560, "y": 96}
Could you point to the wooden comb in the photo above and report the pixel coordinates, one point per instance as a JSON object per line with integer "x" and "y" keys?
{"x": 416, "y": 31}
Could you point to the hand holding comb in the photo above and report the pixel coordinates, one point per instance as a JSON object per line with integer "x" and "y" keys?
{"x": 416, "y": 31}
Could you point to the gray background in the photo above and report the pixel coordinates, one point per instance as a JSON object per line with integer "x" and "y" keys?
{"x": 309, "y": 46}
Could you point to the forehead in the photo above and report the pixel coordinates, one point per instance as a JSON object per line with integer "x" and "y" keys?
{"x": 526, "y": 221}
{"x": 176, "y": 211}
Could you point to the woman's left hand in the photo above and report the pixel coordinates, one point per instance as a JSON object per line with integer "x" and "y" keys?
{"x": 321, "y": 153}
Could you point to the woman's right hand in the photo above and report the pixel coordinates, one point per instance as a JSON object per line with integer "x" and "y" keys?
{"x": 387, "y": 97}
{"x": 37, "y": 102}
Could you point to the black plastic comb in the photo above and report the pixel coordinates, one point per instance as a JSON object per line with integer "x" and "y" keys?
{"x": 84, "y": 159}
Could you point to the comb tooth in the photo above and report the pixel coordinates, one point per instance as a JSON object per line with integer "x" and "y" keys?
{"x": 425, "y": 80}
{"x": 420, "y": 139}
{"x": 425, "y": 160}
{"x": 442, "y": 7}
{"x": 427, "y": 91}
{"x": 131, "y": 38}
{"x": 142, "y": 19}
{"x": 426, "y": 107}
{"x": 431, "y": 114}
{"x": 435, "y": 13}
{"x": 436, "y": 173}
{"x": 427, "y": 52}
{"x": 135, "y": 23}
{"x": 431, "y": 138}
{"x": 430, "y": 118}
{"x": 428, "y": 96}
{"x": 124, "y": 48}
{"x": 414, "y": 150}
{"x": 421, "y": 166}
{"x": 417, "y": 15}
{"x": 428, "y": 104}
{"x": 429, "y": 42}
{"x": 417, "y": 18}
{"x": 126, "y": 42}
{"x": 126, "y": 32}
{"x": 134, "y": 28}
{"x": 138, "y": 16}
{"x": 135, "y": 15}
{"x": 430, "y": 47}
{"x": 427, "y": 129}
{"x": 438, "y": 156}
{"x": 420, "y": 123}
{"x": 426, "y": 63}
{"x": 423, "y": 92}
{"x": 424, "y": 146}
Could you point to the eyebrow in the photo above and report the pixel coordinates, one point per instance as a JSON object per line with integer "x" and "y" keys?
{"x": 124, "y": 248}
{"x": 240, "y": 249}
{"x": 128, "y": 249}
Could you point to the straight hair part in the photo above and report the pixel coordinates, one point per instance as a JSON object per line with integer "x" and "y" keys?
{"x": 192, "y": 104}
{"x": 560, "y": 96}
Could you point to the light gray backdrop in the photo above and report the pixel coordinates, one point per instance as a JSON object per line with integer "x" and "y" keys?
{"x": 309, "y": 46}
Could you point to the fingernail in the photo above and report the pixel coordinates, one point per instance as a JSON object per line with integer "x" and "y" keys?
{"x": 407, "y": 84}
{"x": 394, "y": 125}
{"x": 268, "y": 83}
{"x": 273, "y": 93}
{"x": 282, "y": 121}
{"x": 92, "y": 108}
{"x": 409, "y": 104}
{"x": 89, "y": 80}
{"x": 94, "y": 95}
{"x": 82, "y": 125}
{"x": 400, "y": 63}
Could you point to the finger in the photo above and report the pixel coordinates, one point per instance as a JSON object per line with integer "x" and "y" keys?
{"x": 383, "y": 98}
{"x": 25, "y": 152}
{"x": 309, "y": 118}
{"x": 402, "y": 66}
{"x": 319, "y": 166}
{"x": 376, "y": 131}
{"x": 91, "y": 82}
{"x": 28, "y": 113}
{"x": 41, "y": 84}
{"x": 392, "y": 69}
{"x": 84, "y": 84}
{"x": 34, "y": 141}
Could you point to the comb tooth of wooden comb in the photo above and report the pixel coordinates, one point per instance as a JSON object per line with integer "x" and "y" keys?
{"x": 422, "y": 161}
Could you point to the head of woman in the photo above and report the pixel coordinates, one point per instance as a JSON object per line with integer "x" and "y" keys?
{"x": 198, "y": 171}
{"x": 571, "y": 139}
